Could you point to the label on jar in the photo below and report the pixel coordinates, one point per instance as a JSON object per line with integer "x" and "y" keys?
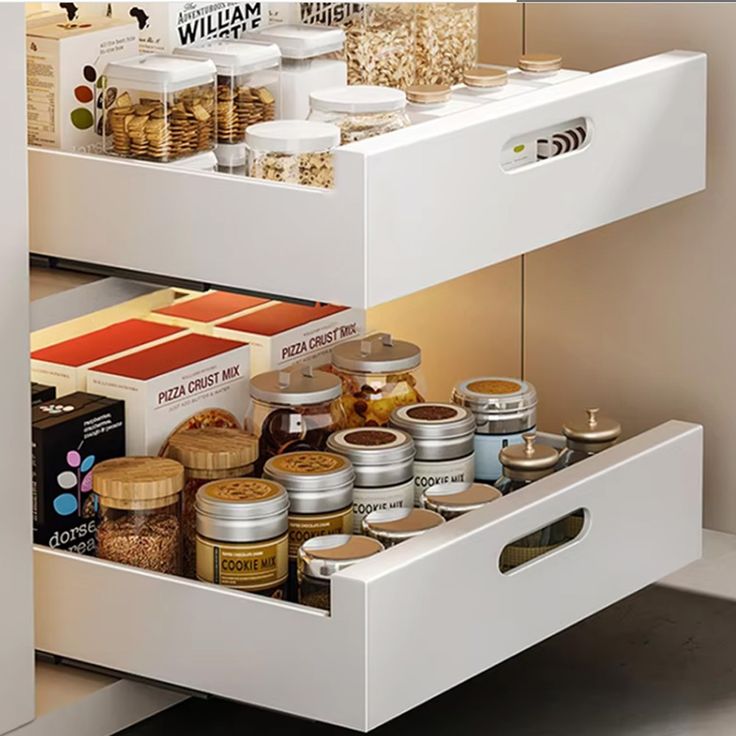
{"x": 255, "y": 567}
{"x": 304, "y": 527}
{"x": 487, "y": 446}
{"x": 428, "y": 473}
{"x": 366, "y": 500}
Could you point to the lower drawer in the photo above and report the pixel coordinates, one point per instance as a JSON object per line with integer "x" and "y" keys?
{"x": 408, "y": 624}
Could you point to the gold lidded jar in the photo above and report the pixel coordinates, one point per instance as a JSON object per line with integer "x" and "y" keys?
{"x": 320, "y": 558}
{"x": 392, "y": 526}
{"x": 139, "y": 511}
{"x": 539, "y": 66}
{"x": 428, "y": 96}
{"x": 451, "y": 500}
{"x": 209, "y": 453}
{"x": 484, "y": 79}
{"x": 243, "y": 535}
{"x": 588, "y": 434}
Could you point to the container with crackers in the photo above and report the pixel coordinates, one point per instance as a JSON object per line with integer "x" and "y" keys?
{"x": 159, "y": 107}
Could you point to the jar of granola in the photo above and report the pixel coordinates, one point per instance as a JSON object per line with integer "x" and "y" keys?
{"x": 360, "y": 111}
{"x": 159, "y": 107}
{"x": 293, "y": 152}
{"x": 378, "y": 375}
{"x": 207, "y": 454}
{"x": 140, "y": 512}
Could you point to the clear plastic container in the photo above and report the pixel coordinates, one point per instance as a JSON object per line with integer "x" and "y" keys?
{"x": 293, "y": 152}
{"x": 360, "y": 111}
{"x": 378, "y": 375}
{"x": 139, "y": 512}
{"x": 210, "y": 453}
{"x": 311, "y": 60}
{"x": 159, "y": 107}
{"x": 248, "y": 90}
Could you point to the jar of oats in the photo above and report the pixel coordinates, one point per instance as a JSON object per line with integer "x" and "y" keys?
{"x": 210, "y": 453}
{"x": 293, "y": 152}
{"x": 361, "y": 111}
{"x": 248, "y": 90}
{"x": 159, "y": 107}
{"x": 139, "y": 511}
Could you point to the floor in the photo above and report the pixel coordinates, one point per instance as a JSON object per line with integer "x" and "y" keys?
{"x": 661, "y": 663}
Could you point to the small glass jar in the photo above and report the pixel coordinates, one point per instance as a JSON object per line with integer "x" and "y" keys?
{"x": 248, "y": 89}
{"x": 294, "y": 409}
{"x": 587, "y": 436}
{"x": 320, "y": 488}
{"x": 293, "y": 152}
{"x": 159, "y": 107}
{"x": 139, "y": 507}
{"x": 321, "y": 557}
{"x": 539, "y": 66}
{"x": 378, "y": 375}
{"x": 243, "y": 535}
{"x": 361, "y": 111}
{"x": 393, "y": 526}
{"x": 428, "y": 96}
{"x": 309, "y": 61}
{"x": 383, "y": 460}
{"x": 451, "y": 500}
{"x": 444, "y": 439}
{"x": 484, "y": 80}
{"x": 446, "y": 41}
{"x": 504, "y": 409}
{"x": 210, "y": 453}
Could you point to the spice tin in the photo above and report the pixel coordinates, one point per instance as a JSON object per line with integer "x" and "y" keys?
{"x": 455, "y": 499}
{"x": 397, "y": 525}
{"x": 504, "y": 409}
{"x": 443, "y": 437}
{"x": 242, "y": 535}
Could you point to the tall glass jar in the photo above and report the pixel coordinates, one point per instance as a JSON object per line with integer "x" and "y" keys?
{"x": 207, "y": 454}
{"x": 294, "y": 409}
{"x": 140, "y": 512}
{"x": 378, "y": 375}
{"x": 587, "y": 436}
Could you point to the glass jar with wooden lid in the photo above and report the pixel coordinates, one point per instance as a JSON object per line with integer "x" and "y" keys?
{"x": 482, "y": 80}
{"x": 140, "y": 512}
{"x": 539, "y": 66}
{"x": 207, "y": 454}
{"x": 393, "y": 526}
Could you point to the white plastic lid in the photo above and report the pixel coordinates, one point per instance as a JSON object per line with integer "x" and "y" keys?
{"x": 358, "y": 98}
{"x": 292, "y": 136}
{"x": 233, "y": 56}
{"x": 302, "y": 41}
{"x": 162, "y": 71}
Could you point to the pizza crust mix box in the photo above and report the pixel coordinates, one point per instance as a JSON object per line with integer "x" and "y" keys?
{"x": 199, "y": 312}
{"x": 189, "y": 382}
{"x": 286, "y": 334}
{"x": 64, "y": 66}
{"x": 65, "y": 364}
{"x": 70, "y": 436}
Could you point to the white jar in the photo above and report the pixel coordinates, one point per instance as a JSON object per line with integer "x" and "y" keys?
{"x": 443, "y": 436}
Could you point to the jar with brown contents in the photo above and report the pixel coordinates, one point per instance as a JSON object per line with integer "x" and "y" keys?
{"x": 207, "y": 454}
{"x": 140, "y": 512}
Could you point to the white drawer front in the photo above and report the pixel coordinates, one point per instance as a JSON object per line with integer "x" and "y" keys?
{"x": 379, "y": 653}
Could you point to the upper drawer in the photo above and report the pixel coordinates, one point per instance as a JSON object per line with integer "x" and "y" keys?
{"x": 410, "y": 209}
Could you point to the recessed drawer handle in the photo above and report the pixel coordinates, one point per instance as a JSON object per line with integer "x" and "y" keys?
{"x": 543, "y": 541}
{"x": 544, "y": 144}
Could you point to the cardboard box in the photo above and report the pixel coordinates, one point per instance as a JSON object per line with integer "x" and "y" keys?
{"x": 41, "y": 393}
{"x": 64, "y": 65}
{"x": 286, "y": 334}
{"x": 70, "y": 436}
{"x": 65, "y": 364}
{"x": 199, "y": 312}
{"x": 164, "y": 26}
{"x": 191, "y": 381}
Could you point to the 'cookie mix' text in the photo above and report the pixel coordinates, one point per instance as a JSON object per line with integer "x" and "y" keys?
{"x": 302, "y": 347}
{"x": 201, "y": 383}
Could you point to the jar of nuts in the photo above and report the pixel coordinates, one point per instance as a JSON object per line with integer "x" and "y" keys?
{"x": 210, "y": 453}
{"x": 248, "y": 90}
{"x": 140, "y": 512}
{"x": 360, "y": 111}
{"x": 159, "y": 107}
{"x": 293, "y": 152}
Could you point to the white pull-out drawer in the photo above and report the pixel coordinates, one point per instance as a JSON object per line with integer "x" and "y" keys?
{"x": 407, "y": 624}
{"x": 410, "y": 208}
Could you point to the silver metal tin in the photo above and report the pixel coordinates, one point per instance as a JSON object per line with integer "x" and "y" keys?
{"x": 296, "y": 387}
{"x": 506, "y": 412}
{"x": 446, "y": 437}
{"x": 386, "y": 464}
{"x": 454, "y": 499}
{"x": 314, "y": 560}
{"x": 376, "y": 354}
{"x": 314, "y": 492}
{"x": 235, "y": 519}
{"x": 397, "y": 525}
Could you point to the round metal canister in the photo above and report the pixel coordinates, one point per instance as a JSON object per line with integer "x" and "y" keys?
{"x": 439, "y": 431}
